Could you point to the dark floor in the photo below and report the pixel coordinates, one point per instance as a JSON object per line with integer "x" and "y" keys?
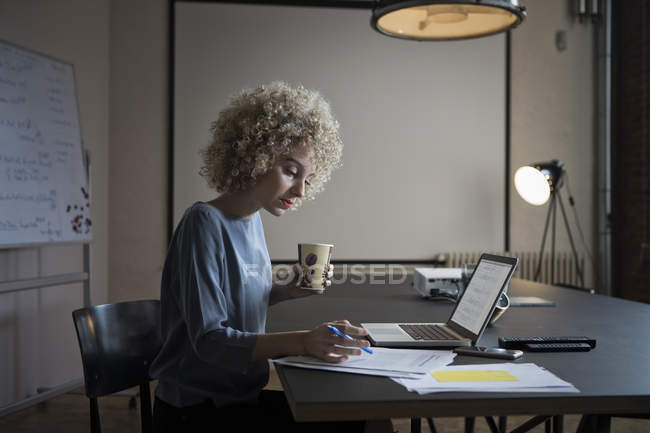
{"x": 69, "y": 413}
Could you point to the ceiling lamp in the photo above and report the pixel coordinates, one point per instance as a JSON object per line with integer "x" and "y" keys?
{"x": 446, "y": 20}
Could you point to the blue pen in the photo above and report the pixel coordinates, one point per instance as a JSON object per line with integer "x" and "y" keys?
{"x": 343, "y": 335}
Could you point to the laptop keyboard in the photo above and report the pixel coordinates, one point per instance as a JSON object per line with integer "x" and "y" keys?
{"x": 428, "y": 332}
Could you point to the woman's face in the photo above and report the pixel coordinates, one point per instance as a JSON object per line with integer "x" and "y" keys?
{"x": 285, "y": 181}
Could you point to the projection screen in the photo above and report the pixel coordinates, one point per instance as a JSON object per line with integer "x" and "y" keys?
{"x": 423, "y": 125}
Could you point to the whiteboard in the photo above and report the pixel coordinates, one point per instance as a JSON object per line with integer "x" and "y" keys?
{"x": 423, "y": 125}
{"x": 44, "y": 193}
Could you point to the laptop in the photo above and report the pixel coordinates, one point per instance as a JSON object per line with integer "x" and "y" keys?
{"x": 468, "y": 320}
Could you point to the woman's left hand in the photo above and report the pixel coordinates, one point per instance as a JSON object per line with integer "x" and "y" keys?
{"x": 293, "y": 289}
{"x": 297, "y": 291}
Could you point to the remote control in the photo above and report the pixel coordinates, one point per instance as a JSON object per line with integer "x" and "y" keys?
{"x": 557, "y": 347}
{"x": 521, "y": 342}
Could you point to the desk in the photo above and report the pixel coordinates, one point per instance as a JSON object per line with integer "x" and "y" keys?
{"x": 614, "y": 378}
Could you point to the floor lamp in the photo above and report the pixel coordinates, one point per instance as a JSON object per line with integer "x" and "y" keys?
{"x": 537, "y": 184}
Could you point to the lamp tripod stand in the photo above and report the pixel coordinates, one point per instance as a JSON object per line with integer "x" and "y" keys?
{"x": 556, "y": 198}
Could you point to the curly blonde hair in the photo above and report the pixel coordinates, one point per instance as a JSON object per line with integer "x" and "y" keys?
{"x": 263, "y": 124}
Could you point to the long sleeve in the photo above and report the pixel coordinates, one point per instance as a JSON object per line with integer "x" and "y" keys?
{"x": 202, "y": 303}
{"x": 214, "y": 297}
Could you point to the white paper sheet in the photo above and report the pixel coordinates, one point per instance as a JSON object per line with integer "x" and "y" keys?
{"x": 530, "y": 378}
{"x": 333, "y": 367}
{"x": 569, "y": 389}
{"x": 382, "y": 362}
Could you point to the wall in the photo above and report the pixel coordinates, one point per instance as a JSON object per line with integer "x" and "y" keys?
{"x": 553, "y": 114}
{"x": 38, "y": 345}
{"x": 138, "y": 153}
{"x": 631, "y": 159}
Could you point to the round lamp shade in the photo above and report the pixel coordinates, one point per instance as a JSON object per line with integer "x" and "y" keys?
{"x": 536, "y": 182}
{"x": 436, "y": 20}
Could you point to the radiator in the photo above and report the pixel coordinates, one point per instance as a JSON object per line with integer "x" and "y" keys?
{"x": 565, "y": 270}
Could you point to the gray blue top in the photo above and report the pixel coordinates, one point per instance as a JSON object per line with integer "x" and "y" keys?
{"x": 214, "y": 297}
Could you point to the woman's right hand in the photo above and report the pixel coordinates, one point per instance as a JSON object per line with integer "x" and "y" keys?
{"x": 323, "y": 344}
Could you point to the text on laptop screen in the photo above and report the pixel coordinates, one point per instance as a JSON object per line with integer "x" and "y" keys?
{"x": 478, "y": 299}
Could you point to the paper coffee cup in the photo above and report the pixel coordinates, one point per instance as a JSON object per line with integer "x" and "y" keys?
{"x": 314, "y": 260}
{"x": 502, "y": 305}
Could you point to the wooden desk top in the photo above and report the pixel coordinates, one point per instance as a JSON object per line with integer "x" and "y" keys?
{"x": 613, "y": 378}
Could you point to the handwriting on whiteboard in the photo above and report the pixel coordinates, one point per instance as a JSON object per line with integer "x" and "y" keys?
{"x": 43, "y": 187}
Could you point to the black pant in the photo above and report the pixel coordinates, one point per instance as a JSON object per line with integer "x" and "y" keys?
{"x": 269, "y": 413}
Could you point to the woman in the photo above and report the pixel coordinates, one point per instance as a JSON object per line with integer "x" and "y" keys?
{"x": 271, "y": 148}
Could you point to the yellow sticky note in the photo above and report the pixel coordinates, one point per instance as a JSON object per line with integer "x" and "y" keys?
{"x": 474, "y": 376}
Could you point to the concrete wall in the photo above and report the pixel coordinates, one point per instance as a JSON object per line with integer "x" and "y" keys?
{"x": 138, "y": 153}
{"x": 553, "y": 116}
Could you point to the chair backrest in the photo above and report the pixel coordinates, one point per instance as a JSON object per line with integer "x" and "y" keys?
{"x": 118, "y": 342}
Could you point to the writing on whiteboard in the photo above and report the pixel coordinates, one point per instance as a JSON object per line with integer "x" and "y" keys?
{"x": 43, "y": 187}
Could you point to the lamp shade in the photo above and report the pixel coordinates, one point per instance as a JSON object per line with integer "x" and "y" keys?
{"x": 436, "y": 20}
{"x": 537, "y": 181}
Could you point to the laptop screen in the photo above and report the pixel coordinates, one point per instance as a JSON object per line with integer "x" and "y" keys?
{"x": 480, "y": 294}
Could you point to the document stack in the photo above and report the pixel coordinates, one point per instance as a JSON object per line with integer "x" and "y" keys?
{"x": 503, "y": 377}
{"x": 395, "y": 363}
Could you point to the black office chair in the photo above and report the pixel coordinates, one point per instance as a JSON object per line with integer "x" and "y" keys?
{"x": 118, "y": 342}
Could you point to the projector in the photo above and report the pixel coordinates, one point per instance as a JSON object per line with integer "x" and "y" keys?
{"x": 438, "y": 283}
